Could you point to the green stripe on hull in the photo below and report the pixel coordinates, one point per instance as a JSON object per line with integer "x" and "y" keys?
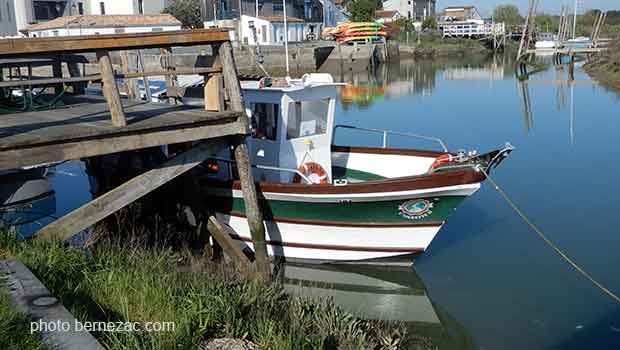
{"x": 393, "y": 211}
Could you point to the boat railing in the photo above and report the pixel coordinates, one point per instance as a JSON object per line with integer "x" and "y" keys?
{"x": 386, "y": 133}
{"x": 265, "y": 167}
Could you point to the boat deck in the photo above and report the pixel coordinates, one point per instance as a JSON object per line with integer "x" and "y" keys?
{"x": 83, "y": 128}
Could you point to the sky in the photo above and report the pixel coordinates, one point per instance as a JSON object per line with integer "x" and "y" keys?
{"x": 549, "y": 6}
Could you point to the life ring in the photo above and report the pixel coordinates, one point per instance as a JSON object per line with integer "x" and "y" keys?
{"x": 314, "y": 172}
{"x": 442, "y": 160}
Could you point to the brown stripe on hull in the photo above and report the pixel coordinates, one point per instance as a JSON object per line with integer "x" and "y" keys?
{"x": 334, "y": 247}
{"x": 345, "y": 223}
{"x": 440, "y": 179}
{"x": 387, "y": 151}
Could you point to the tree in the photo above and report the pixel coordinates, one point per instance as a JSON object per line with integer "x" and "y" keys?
{"x": 363, "y": 10}
{"x": 429, "y": 23}
{"x": 186, "y": 11}
{"x": 509, "y": 14}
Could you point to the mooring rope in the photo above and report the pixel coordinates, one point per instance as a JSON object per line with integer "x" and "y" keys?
{"x": 563, "y": 255}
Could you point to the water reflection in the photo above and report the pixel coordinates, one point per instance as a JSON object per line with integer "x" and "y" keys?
{"x": 27, "y": 200}
{"x": 378, "y": 293}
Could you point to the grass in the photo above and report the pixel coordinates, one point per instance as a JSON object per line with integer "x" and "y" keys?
{"x": 605, "y": 67}
{"x": 121, "y": 281}
{"x": 15, "y": 327}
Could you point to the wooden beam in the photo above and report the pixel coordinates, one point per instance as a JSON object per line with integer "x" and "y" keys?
{"x": 125, "y": 194}
{"x": 244, "y": 167}
{"x": 57, "y": 73}
{"x": 74, "y": 72}
{"x": 97, "y": 77}
{"x": 113, "y": 42}
{"x": 110, "y": 90}
{"x": 222, "y": 234}
{"x": 59, "y": 152}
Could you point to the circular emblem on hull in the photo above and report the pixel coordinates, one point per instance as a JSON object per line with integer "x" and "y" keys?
{"x": 416, "y": 209}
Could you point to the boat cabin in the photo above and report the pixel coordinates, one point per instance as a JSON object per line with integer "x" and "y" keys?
{"x": 291, "y": 124}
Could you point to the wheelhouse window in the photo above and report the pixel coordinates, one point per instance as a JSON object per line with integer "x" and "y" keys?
{"x": 265, "y": 120}
{"x": 309, "y": 118}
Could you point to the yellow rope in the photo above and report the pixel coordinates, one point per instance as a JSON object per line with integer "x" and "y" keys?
{"x": 548, "y": 241}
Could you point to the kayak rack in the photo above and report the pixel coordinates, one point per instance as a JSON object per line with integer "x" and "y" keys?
{"x": 386, "y": 133}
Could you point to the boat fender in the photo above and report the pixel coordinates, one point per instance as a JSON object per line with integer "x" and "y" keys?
{"x": 314, "y": 172}
{"x": 440, "y": 161}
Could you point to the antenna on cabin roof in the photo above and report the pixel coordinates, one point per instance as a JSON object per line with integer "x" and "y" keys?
{"x": 288, "y": 75}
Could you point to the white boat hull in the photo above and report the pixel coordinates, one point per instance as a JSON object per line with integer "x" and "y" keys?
{"x": 335, "y": 243}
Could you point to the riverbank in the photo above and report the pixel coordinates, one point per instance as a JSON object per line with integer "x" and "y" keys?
{"x": 121, "y": 281}
{"x": 433, "y": 46}
{"x": 605, "y": 67}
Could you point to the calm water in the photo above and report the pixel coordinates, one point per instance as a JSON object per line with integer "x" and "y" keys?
{"x": 487, "y": 281}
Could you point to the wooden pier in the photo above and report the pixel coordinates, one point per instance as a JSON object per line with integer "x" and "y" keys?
{"x": 78, "y": 126}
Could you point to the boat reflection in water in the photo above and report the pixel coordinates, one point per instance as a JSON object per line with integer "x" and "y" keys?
{"x": 27, "y": 200}
{"x": 378, "y": 293}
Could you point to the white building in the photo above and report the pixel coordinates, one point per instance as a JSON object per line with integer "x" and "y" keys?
{"x": 125, "y": 7}
{"x": 415, "y": 10}
{"x": 270, "y": 29}
{"x": 387, "y": 16}
{"x": 99, "y": 25}
{"x": 8, "y": 22}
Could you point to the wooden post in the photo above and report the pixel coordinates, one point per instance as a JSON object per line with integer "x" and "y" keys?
{"x": 107, "y": 204}
{"x": 57, "y": 73}
{"x": 165, "y": 60}
{"x": 222, "y": 235}
{"x": 214, "y": 97}
{"x": 130, "y": 84}
{"x": 74, "y": 72}
{"x": 244, "y": 168}
{"x": 110, "y": 90}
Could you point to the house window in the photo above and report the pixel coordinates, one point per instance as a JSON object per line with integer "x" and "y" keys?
{"x": 157, "y": 30}
{"x": 264, "y": 120}
{"x": 309, "y": 118}
{"x": 55, "y": 32}
{"x": 119, "y": 30}
{"x": 81, "y": 8}
{"x": 102, "y": 7}
{"x": 278, "y": 6}
{"x": 141, "y": 7}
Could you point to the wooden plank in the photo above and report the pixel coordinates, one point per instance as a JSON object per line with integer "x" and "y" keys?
{"x": 58, "y": 152}
{"x": 110, "y": 90}
{"x": 132, "y": 190}
{"x": 113, "y": 42}
{"x": 97, "y": 77}
{"x": 222, "y": 234}
{"x": 231, "y": 82}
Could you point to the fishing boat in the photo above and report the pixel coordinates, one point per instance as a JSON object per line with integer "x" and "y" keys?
{"x": 326, "y": 202}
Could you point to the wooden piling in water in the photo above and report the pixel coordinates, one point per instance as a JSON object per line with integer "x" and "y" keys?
{"x": 110, "y": 90}
{"x": 248, "y": 187}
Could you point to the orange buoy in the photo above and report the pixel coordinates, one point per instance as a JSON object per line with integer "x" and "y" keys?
{"x": 314, "y": 172}
{"x": 440, "y": 161}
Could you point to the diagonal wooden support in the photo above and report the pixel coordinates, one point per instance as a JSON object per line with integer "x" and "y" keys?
{"x": 110, "y": 90}
{"x": 107, "y": 204}
{"x": 244, "y": 167}
{"x": 222, "y": 235}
